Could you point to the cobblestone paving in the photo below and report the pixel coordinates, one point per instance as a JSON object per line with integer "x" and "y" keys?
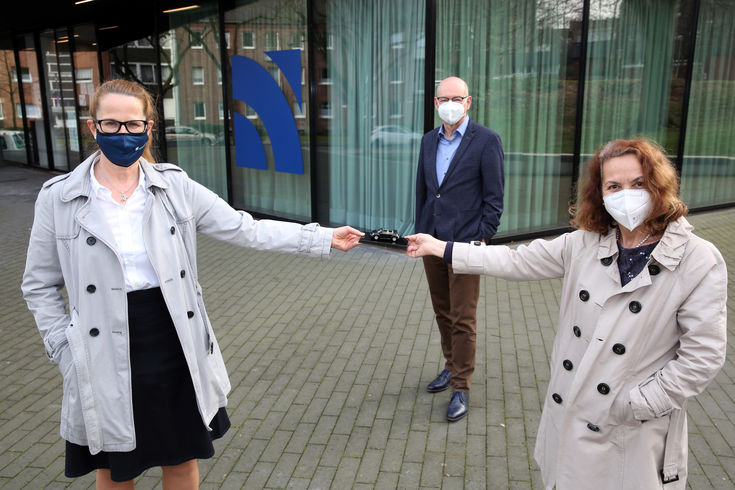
{"x": 328, "y": 361}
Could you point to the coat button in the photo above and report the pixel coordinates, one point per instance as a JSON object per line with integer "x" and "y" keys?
{"x": 619, "y": 349}
{"x": 593, "y": 427}
{"x": 577, "y": 331}
{"x": 190, "y": 314}
{"x": 183, "y": 272}
{"x": 91, "y": 288}
{"x": 653, "y": 269}
{"x": 556, "y": 397}
{"x": 172, "y": 230}
{"x": 438, "y": 196}
{"x": 603, "y": 389}
{"x": 606, "y": 261}
{"x": 94, "y": 332}
{"x": 91, "y": 240}
{"x": 584, "y": 295}
{"x": 634, "y": 306}
{"x": 568, "y": 364}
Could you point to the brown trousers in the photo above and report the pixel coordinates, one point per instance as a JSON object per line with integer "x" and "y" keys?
{"x": 455, "y": 297}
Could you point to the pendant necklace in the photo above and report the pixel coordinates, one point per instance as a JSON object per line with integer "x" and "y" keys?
{"x": 639, "y": 243}
{"x": 123, "y": 194}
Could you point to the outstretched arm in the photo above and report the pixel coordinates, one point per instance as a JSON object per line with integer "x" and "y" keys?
{"x": 422, "y": 244}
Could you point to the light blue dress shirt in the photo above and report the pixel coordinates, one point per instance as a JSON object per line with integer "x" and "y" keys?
{"x": 447, "y": 148}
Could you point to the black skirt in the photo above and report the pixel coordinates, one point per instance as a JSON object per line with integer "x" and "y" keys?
{"x": 168, "y": 427}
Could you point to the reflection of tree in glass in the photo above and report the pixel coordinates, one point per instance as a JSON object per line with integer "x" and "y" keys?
{"x": 7, "y": 81}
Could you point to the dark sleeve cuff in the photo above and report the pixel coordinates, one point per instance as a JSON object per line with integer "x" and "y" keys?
{"x": 448, "y": 253}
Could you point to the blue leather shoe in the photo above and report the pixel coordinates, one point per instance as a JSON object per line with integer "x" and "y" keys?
{"x": 458, "y": 406}
{"x": 440, "y": 383}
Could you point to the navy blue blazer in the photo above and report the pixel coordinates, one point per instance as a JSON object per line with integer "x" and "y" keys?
{"x": 468, "y": 204}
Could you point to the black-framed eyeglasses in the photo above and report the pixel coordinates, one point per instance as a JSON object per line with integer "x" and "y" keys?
{"x": 459, "y": 99}
{"x": 111, "y": 126}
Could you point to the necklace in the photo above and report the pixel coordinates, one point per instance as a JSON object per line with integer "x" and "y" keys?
{"x": 124, "y": 195}
{"x": 617, "y": 235}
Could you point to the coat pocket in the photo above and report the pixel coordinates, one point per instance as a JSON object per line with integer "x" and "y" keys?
{"x": 72, "y": 422}
{"x": 621, "y": 411}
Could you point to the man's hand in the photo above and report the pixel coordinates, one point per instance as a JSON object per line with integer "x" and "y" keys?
{"x": 422, "y": 244}
{"x": 345, "y": 237}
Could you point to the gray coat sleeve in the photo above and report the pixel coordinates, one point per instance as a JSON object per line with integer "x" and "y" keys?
{"x": 215, "y": 218}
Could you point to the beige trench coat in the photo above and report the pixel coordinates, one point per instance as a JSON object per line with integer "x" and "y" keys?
{"x": 625, "y": 359}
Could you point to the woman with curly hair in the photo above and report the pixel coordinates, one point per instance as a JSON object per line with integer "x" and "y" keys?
{"x": 642, "y": 322}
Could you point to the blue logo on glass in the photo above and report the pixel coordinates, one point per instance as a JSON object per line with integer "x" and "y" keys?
{"x": 252, "y": 84}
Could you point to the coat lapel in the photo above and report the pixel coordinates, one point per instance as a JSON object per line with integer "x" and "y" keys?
{"x": 430, "y": 161}
{"x": 463, "y": 145}
{"x": 88, "y": 216}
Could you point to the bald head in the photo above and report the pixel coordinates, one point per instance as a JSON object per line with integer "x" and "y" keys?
{"x": 451, "y": 87}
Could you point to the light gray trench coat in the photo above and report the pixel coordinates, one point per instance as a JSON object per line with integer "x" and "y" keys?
{"x": 625, "y": 359}
{"x": 72, "y": 246}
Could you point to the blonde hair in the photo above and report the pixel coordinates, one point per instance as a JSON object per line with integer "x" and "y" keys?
{"x": 659, "y": 178}
{"x": 127, "y": 87}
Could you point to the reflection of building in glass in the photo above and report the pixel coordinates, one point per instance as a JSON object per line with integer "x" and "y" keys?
{"x": 553, "y": 84}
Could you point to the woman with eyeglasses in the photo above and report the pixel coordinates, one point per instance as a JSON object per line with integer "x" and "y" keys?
{"x": 144, "y": 382}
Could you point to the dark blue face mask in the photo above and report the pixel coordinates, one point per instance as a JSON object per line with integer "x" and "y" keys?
{"x": 123, "y": 149}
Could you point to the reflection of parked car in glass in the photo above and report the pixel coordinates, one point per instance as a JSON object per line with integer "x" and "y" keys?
{"x": 186, "y": 134}
{"x": 13, "y": 145}
{"x": 393, "y": 135}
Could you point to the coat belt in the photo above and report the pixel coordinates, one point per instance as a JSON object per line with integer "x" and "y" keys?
{"x": 672, "y": 450}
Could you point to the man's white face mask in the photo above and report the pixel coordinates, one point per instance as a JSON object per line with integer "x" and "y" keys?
{"x": 629, "y": 207}
{"x": 451, "y": 112}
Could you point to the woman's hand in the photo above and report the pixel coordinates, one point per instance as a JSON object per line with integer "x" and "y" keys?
{"x": 345, "y": 237}
{"x": 422, "y": 244}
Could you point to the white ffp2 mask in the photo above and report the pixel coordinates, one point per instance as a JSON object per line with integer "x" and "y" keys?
{"x": 629, "y": 207}
{"x": 451, "y": 112}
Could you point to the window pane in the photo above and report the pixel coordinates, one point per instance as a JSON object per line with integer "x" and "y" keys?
{"x": 61, "y": 94}
{"x": 196, "y": 39}
{"x": 87, "y": 76}
{"x": 132, "y": 61}
{"x": 194, "y": 130}
{"x": 12, "y": 139}
{"x": 199, "y": 113}
{"x": 197, "y": 75}
{"x": 631, "y": 73}
{"x": 248, "y": 40}
{"x": 372, "y": 169}
{"x": 271, "y": 40}
{"x": 708, "y": 169}
{"x": 518, "y": 60}
{"x": 147, "y": 73}
{"x": 258, "y": 180}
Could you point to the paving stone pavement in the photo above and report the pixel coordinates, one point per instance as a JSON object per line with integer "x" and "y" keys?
{"x": 328, "y": 361}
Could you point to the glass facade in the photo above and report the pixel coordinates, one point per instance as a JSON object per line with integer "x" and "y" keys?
{"x": 634, "y": 76}
{"x": 254, "y": 29}
{"x": 371, "y": 98}
{"x": 314, "y": 109}
{"x": 191, "y": 91}
{"x": 521, "y": 62}
{"x": 12, "y": 139}
{"x": 708, "y": 169}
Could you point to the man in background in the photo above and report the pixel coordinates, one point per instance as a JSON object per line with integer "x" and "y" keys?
{"x": 459, "y": 197}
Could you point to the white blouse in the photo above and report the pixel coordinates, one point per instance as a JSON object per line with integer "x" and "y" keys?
{"x": 126, "y": 224}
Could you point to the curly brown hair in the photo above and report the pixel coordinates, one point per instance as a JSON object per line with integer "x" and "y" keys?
{"x": 659, "y": 179}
